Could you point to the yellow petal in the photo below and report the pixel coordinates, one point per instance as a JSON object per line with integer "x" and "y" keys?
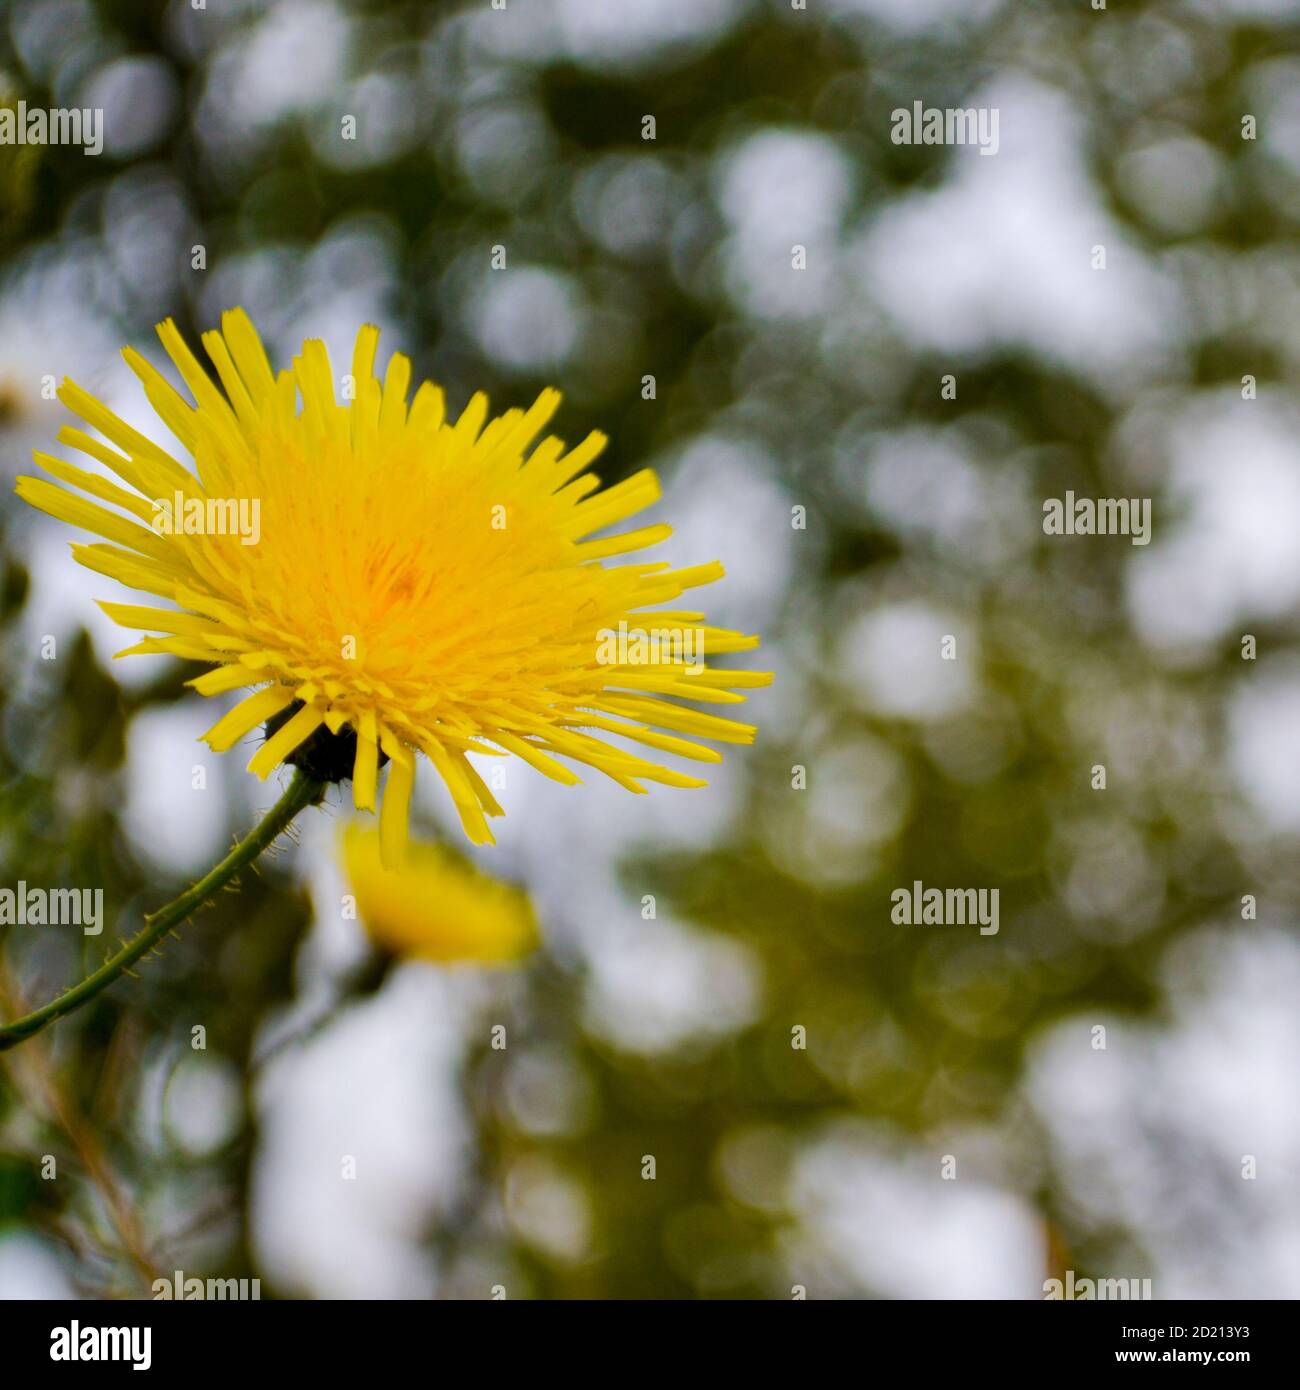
{"x": 285, "y": 739}
{"x": 246, "y": 716}
{"x": 395, "y": 812}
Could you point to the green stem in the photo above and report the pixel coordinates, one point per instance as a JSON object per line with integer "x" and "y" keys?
{"x": 301, "y": 792}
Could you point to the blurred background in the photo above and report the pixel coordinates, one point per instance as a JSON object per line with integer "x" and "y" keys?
{"x": 953, "y": 1126}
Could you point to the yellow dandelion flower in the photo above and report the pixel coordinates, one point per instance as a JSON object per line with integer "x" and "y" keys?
{"x": 386, "y": 582}
{"x": 435, "y": 906}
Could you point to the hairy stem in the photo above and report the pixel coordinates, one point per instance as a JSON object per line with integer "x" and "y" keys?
{"x": 302, "y": 791}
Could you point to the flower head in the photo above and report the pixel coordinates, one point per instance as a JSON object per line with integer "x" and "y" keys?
{"x": 387, "y": 582}
{"x": 435, "y": 906}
